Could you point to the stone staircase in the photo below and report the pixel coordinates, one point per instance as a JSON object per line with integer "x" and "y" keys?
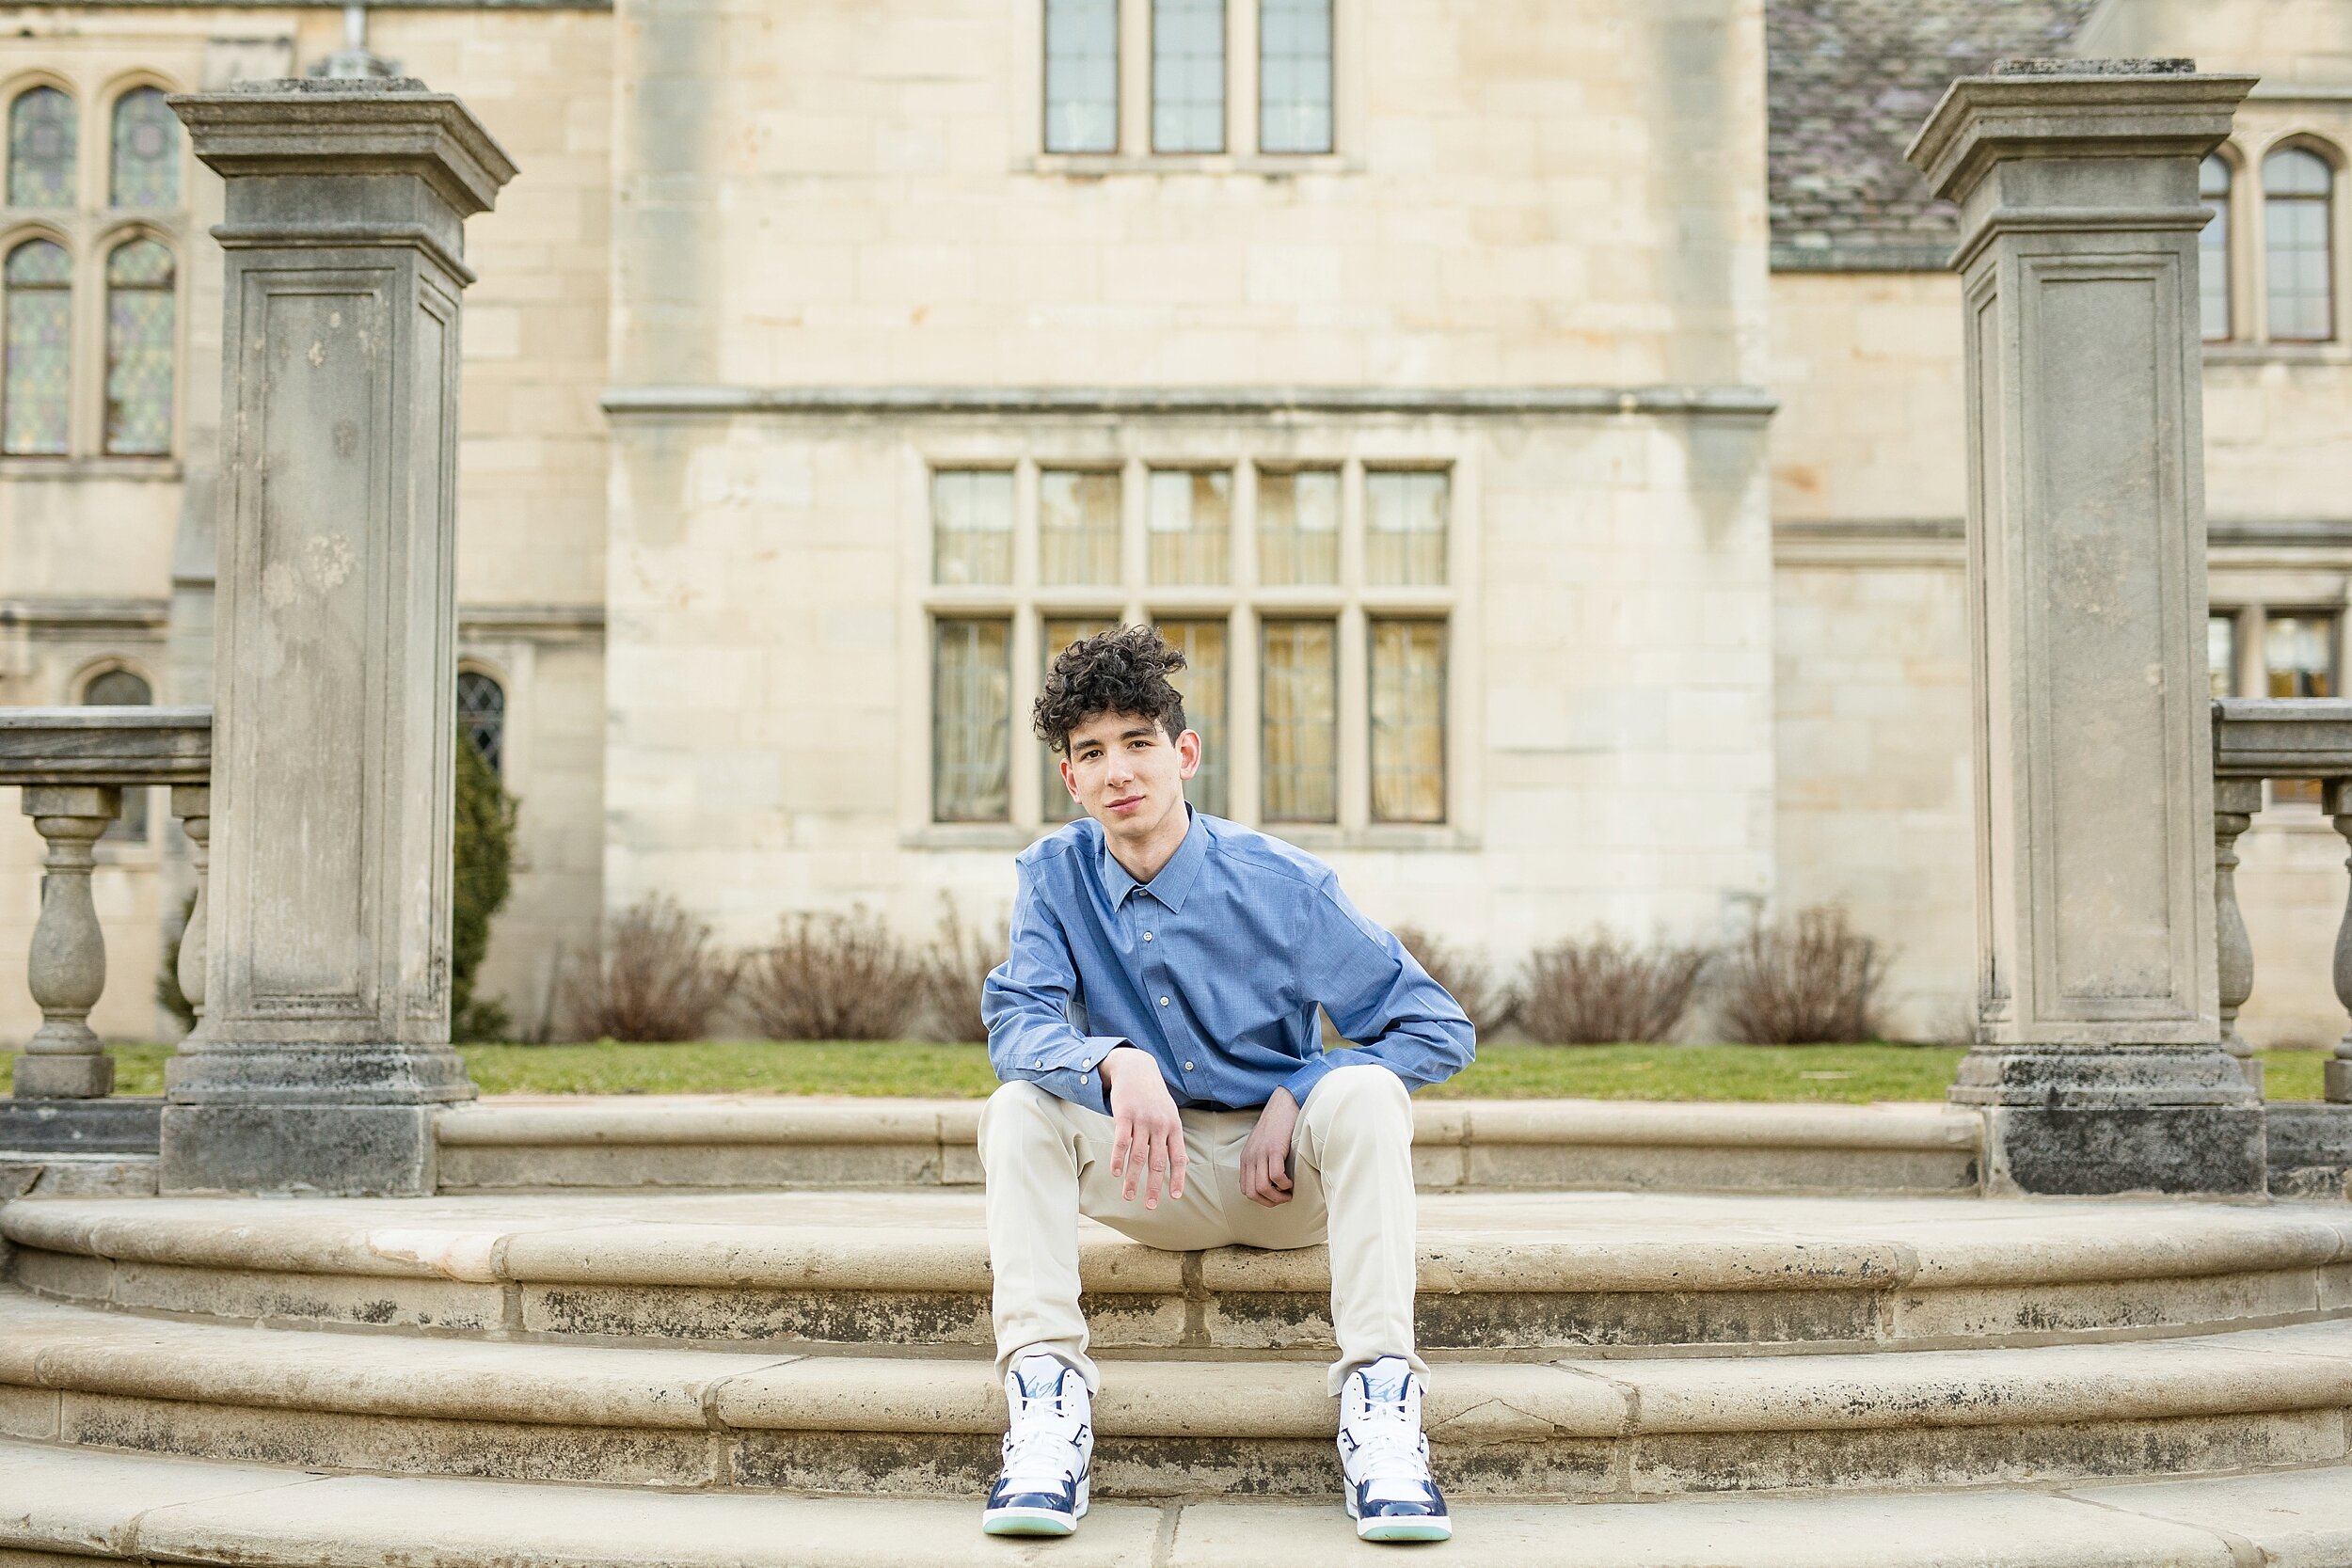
{"x": 580, "y": 1376}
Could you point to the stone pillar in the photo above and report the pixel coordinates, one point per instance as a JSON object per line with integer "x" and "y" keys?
{"x": 2098, "y": 1055}
{"x": 324, "y": 1048}
{"x": 65, "y": 970}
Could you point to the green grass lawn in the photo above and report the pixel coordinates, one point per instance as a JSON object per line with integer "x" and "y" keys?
{"x": 1848, "y": 1073}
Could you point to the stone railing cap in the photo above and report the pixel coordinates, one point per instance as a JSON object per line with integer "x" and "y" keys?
{"x": 2091, "y": 108}
{"x": 309, "y": 125}
{"x": 106, "y": 745}
{"x": 2282, "y": 738}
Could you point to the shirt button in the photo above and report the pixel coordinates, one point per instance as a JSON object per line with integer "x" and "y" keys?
{"x": 1163, "y": 1001}
{"x": 1082, "y": 1078}
{"x": 1188, "y": 1066}
{"x": 1147, "y": 936}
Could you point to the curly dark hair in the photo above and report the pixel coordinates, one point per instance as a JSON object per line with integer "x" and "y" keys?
{"x": 1122, "y": 671}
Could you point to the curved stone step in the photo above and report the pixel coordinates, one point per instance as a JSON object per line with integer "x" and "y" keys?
{"x": 765, "y": 1142}
{"x": 1516, "y": 1273}
{"x": 1619, "y": 1429}
{"x": 65, "y": 1508}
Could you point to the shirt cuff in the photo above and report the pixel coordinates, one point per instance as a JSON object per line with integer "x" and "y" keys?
{"x": 1075, "y": 1075}
{"x": 1311, "y": 1072}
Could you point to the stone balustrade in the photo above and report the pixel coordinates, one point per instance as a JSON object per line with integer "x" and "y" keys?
{"x": 72, "y": 766}
{"x": 2254, "y": 739}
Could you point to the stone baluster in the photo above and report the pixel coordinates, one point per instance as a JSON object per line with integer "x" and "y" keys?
{"x": 2234, "y": 804}
{"x": 68, "y": 966}
{"x": 2338, "y": 1071}
{"x": 193, "y": 805}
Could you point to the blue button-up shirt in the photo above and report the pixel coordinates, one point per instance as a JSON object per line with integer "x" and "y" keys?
{"x": 1214, "y": 966}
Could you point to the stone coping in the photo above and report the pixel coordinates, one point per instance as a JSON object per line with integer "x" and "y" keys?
{"x": 1470, "y": 1243}
{"x": 720, "y": 1119}
{"x": 46, "y": 1345}
{"x": 87, "y": 1505}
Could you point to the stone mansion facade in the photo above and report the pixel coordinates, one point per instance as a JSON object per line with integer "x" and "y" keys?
{"x": 1540, "y": 422}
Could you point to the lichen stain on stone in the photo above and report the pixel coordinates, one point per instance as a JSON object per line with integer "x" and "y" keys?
{"x": 331, "y": 557}
{"x": 279, "y": 587}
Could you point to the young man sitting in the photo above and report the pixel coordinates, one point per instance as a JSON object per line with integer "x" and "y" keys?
{"x": 1154, "y": 1026}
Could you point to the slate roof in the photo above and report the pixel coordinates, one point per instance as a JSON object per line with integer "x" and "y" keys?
{"x": 1849, "y": 82}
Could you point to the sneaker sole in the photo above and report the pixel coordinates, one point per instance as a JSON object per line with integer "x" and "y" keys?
{"x": 1028, "y": 1521}
{"x": 1404, "y": 1529}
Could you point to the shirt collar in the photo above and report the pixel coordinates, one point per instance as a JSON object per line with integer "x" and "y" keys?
{"x": 1175, "y": 878}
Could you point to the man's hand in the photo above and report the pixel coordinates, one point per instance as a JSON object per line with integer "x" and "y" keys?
{"x": 1265, "y": 1159}
{"x": 1150, "y": 1145}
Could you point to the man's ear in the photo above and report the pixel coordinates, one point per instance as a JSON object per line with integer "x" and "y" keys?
{"x": 1189, "y": 753}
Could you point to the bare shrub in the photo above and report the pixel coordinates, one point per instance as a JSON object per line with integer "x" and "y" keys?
{"x": 659, "y": 979}
{"x": 1810, "y": 978}
{"x": 955, "y": 967}
{"x": 1600, "y": 990}
{"x": 1464, "y": 974}
{"x": 832, "y": 978}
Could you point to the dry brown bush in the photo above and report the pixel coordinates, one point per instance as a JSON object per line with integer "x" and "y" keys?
{"x": 1600, "y": 990}
{"x": 659, "y": 979}
{"x": 1463, "y": 973}
{"x": 955, "y": 967}
{"x": 1808, "y": 979}
{"x": 832, "y": 978}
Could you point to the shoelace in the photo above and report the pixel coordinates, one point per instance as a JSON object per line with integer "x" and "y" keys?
{"x": 1388, "y": 1443}
{"x": 1042, "y": 1441}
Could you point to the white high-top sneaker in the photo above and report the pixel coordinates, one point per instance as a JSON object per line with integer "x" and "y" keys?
{"x": 1048, "y": 1452}
{"x": 1386, "y": 1456}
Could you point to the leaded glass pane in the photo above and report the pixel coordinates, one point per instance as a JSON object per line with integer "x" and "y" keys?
{"x": 1077, "y": 527}
{"x": 2213, "y": 248}
{"x": 121, "y": 689}
{"x": 971, "y": 719}
{"x": 42, "y": 141}
{"x": 1187, "y": 75}
{"x": 1407, "y": 721}
{"x": 146, "y": 170}
{"x": 1189, "y": 526}
{"x": 971, "y": 526}
{"x": 1295, "y": 75}
{"x": 35, "y": 387}
{"x": 481, "y": 717}
{"x": 1298, "y": 669}
{"x": 1405, "y": 520}
{"x": 1081, "y": 75}
{"x": 2297, "y": 256}
{"x": 1298, "y": 527}
{"x": 1202, "y": 683}
{"x": 141, "y": 311}
{"x": 1055, "y": 635}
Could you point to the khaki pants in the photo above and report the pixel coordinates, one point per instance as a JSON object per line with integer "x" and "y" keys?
{"x": 1049, "y": 1160}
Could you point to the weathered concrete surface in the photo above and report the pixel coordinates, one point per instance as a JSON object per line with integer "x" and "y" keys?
{"x": 2310, "y": 1150}
{"x": 715, "y": 1141}
{"x": 121, "y": 1124}
{"x": 1586, "y": 1273}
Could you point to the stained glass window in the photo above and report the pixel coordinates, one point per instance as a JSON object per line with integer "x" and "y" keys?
{"x": 41, "y": 142}
{"x": 971, "y": 721}
{"x": 146, "y": 168}
{"x": 1187, "y": 75}
{"x": 1298, "y": 527}
{"x": 1081, "y": 75}
{"x": 1202, "y": 683}
{"x": 1189, "y": 525}
{"x": 971, "y": 526}
{"x": 139, "y": 315}
{"x": 1295, "y": 75}
{"x": 1407, "y": 721}
{"x": 1078, "y": 527}
{"x": 1298, "y": 666}
{"x": 34, "y": 391}
{"x": 1404, "y": 529}
{"x": 121, "y": 689}
{"x": 1054, "y": 795}
{"x": 2297, "y": 188}
{"x": 482, "y": 716}
{"x": 2213, "y": 247}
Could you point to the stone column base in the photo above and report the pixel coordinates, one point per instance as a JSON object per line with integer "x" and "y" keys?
{"x": 320, "y": 1150}
{"x": 2336, "y": 1075}
{"x": 2101, "y": 1151}
{"x": 75, "y": 1077}
{"x": 125, "y": 1125}
{"x": 2311, "y": 1150}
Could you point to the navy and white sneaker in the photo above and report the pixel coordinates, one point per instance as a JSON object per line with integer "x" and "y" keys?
{"x": 1386, "y": 1456}
{"x": 1048, "y": 1452}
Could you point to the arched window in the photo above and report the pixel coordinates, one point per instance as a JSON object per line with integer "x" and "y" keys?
{"x": 2297, "y": 187}
{"x": 482, "y": 714}
{"x": 121, "y": 689}
{"x": 42, "y": 141}
{"x": 146, "y": 170}
{"x": 33, "y": 401}
{"x": 139, "y": 313}
{"x": 2213, "y": 248}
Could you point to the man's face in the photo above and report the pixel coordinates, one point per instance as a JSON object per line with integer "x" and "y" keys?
{"x": 1126, "y": 773}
